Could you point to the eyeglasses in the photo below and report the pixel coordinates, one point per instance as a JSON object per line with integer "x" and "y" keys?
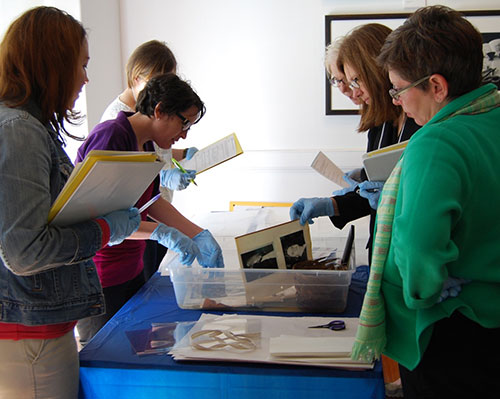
{"x": 186, "y": 123}
{"x": 395, "y": 93}
{"x": 354, "y": 84}
{"x": 336, "y": 82}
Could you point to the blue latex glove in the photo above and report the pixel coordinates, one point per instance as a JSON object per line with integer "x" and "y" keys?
{"x": 353, "y": 178}
{"x": 451, "y": 288}
{"x": 176, "y": 241}
{"x": 122, "y": 224}
{"x": 371, "y": 191}
{"x": 308, "y": 208}
{"x": 190, "y": 152}
{"x": 174, "y": 179}
{"x": 210, "y": 251}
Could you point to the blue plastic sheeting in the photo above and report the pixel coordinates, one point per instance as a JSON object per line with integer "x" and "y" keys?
{"x": 109, "y": 368}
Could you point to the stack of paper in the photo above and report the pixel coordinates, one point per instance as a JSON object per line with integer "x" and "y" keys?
{"x": 331, "y": 350}
{"x": 283, "y": 340}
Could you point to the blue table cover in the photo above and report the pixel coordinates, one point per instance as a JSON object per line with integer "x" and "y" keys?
{"x": 110, "y": 368}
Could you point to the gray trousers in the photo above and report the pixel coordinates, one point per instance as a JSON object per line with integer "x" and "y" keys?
{"x": 39, "y": 368}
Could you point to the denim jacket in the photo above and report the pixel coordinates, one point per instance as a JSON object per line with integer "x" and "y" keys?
{"x": 47, "y": 274}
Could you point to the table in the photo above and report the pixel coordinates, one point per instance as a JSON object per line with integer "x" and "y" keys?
{"x": 109, "y": 368}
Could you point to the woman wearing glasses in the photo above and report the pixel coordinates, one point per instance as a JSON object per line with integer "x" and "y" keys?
{"x": 151, "y": 59}
{"x": 438, "y": 221}
{"x": 385, "y": 122}
{"x": 166, "y": 109}
{"x": 335, "y": 75}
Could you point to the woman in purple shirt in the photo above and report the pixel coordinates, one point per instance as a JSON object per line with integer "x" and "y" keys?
{"x": 167, "y": 108}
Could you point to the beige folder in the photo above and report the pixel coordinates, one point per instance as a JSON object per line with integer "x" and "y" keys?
{"x": 103, "y": 182}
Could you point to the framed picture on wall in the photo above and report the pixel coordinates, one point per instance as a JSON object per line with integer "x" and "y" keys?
{"x": 336, "y": 26}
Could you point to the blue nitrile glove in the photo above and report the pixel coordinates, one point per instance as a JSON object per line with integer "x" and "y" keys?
{"x": 190, "y": 152}
{"x": 176, "y": 241}
{"x": 371, "y": 191}
{"x": 210, "y": 251}
{"x": 451, "y": 288}
{"x": 174, "y": 179}
{"x": 353, "y": 178}
{"x": 122, "y": 224}
{"x": 308, "y": 208}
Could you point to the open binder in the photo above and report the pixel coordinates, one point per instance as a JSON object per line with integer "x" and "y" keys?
{"x": 103, "y": 182}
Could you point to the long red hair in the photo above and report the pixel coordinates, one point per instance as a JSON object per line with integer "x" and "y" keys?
{"x": 38, "y": 62}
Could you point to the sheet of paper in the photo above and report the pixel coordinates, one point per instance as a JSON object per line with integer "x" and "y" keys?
{"x": 325, "y": 167}
{"x": 214, "y": 154}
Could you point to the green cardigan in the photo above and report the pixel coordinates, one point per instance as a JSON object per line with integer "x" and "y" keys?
{"x": 446, "y": 223}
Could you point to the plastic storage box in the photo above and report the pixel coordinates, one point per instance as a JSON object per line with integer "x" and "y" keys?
{"x": 323, "y": 291}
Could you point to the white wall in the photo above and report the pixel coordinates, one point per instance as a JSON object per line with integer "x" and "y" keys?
{"x": 258, "y": 65}
{"x": 105, "y": 69}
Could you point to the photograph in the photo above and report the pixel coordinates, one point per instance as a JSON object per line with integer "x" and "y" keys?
{"x": 294, "y": 248}
{"x": 276, "y": 247}
{"x": 261, "y": 258}
{"x": 491, "y": 52}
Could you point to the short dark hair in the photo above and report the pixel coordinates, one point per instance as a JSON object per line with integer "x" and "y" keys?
{"x": 436, "y": 39}
{"x": 150, "y": 59}
{"x": 359, "y": 49}
{"x": 39, "y": 55}
{"x": 172, "y": 93}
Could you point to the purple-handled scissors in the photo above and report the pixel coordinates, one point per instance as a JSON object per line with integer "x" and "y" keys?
{"x": 335, "y": 325}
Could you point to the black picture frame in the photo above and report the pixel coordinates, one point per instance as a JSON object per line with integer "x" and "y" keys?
{"x": 487, "y": 21}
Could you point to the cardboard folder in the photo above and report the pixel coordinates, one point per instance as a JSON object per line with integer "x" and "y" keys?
{"x": 103, "y": 182}
{"x": 379, "y": 164}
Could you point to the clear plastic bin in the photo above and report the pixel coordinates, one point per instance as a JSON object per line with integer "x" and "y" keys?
{"x": 323, "y": 291}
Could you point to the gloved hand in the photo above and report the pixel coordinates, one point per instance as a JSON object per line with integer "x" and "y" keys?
{"x": 210, "y": 251}
{"x": 371, "y": 191}
{"x": 308, "y": 208}
{"x": 190, "y": 152}
{"x": 174, "y": 179}
{"x": 176, "y": 241}
{"x": 122, "y": 224}
{"x": 451, "y": 288}
{"x": 353, "y": 178}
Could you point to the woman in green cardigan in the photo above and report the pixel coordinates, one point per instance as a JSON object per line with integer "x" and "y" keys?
{"x": 433, "y": 298}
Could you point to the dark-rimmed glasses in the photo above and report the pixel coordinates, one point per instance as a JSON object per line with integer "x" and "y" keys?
{"x": 395, "y": 93}
{"x": 186, "y": 123}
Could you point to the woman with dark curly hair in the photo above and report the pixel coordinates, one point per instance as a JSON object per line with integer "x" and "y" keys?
{"x": 167, "y": 107}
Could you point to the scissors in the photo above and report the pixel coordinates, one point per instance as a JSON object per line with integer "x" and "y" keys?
{"x": 335, "y": 325}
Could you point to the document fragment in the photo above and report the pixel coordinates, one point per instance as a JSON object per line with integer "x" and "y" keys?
{"x": 325, "y": 167}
